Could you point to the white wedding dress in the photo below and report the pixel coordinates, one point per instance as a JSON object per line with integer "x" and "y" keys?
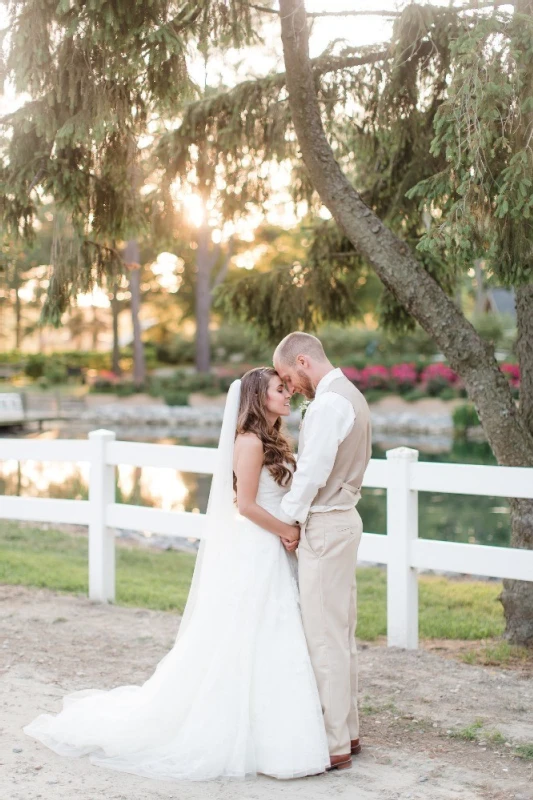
{"x": 235, "y": 696}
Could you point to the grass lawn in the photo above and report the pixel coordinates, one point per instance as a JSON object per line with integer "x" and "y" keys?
{"x": 32, "y": 556}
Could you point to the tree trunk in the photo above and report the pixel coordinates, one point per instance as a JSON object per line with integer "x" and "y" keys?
{"x": 95, "y": 329}
{"x": 472, "y": 358}
{"x": 132, "y": 258}
{"x": 203, "y": 300}
{"x": 115, "y": 365}
{"x": 517, "y": 596}
{"x": 18, "y": 312}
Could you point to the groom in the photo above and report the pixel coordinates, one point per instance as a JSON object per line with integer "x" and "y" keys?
{"x": 333, "y": 453}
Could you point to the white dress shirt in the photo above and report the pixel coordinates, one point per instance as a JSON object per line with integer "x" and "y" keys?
{"x": 328, "y": 421}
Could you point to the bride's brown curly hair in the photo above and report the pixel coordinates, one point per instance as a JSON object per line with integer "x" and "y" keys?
{"x": 252, "y": 419}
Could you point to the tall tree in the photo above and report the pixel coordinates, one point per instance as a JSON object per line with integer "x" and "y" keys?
{"x": 434, "y": 129}
{"x": 98, "y": 76}
{"x": 478, "y": 125}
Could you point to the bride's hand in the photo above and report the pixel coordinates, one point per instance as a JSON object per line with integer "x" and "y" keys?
{"x": 292, "y": 533}
{"x": 290, "y": 547}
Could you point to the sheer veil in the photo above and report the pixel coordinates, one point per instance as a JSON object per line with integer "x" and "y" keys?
{"x": 221, "y": 516}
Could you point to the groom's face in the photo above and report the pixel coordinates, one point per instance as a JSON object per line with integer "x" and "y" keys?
{"x": 296, "y": 380}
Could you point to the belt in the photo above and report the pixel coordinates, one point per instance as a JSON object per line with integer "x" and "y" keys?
{"x": 356, "y": 492}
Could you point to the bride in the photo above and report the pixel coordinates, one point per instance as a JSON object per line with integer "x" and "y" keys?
{"x": 236, "y": 695}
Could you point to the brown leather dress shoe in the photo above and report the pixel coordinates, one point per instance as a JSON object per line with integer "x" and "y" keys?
{"x": 340, "y": 762}
{"x": 355, "y": 747}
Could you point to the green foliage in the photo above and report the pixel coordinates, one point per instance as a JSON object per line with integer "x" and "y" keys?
{"x": 176, "y": 389}
{"x": 385, "y": 149}
{"x": 228, "y": 343}
{"x": 482, "y": 198}
{"x": 524, "y": 751}
{"x": 177, "y": 350}
{"x": 499, "y": 654}
{"x": 296, "y": 296}
{"x": 496, "y": 329}
{"x": 470, "y": 733}
{"x": 465, "y": 416}
{"x": 55, "y": 372}
{"x": 35, "y": 364}
{"x": 127, "y": 389}
{"x": 175, "y": 397}
{"x": 97, "y": 75}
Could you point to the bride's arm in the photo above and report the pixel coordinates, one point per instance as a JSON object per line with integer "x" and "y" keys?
{"x": 247, "y": 465}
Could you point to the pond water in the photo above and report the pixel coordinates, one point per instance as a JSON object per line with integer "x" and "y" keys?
{"x": 453, "y": 518}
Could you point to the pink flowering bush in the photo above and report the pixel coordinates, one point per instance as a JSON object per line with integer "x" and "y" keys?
{"x": 375, "y": 376}
{"x": 436, "y": 377}
{"x": 352, "y": 373}
{"x": 513, "y": 373}
{"x": 404, "y": 377}
{"x": 433, "y": 380}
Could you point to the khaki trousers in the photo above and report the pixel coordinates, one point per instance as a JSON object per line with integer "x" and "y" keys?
{"x": 327, "y": 557}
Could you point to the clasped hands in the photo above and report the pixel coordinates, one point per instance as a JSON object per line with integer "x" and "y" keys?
{"x": 292, "y": 539}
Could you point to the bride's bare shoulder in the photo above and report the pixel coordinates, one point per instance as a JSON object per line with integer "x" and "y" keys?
{"x": 248, "y": 442}
{"x": 248, "y": 450}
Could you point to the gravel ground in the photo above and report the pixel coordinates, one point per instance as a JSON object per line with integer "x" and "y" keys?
{"x": 52, "y": 644}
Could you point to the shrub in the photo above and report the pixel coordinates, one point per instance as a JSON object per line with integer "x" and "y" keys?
{"x": 465, "y": 416}
{"x": 34, "y": 367}
{"x": 127, "y": 388}
{"x": 175, "y": 397}
{"x": 55, "y": 372}
{"x": 232, "y": 342}
{"x": 353, "y": 374}
{"x": 404, "y": 377}
{"x": 437, "y": 377}
{"x": 188, "y": 382}
{"x": 414, "y": 394}
{"x": 449, "y": 393}
{"x": 178, "y": 350}
{"x": 375, "y": 376}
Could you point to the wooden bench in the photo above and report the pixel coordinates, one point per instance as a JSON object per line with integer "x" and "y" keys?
{"x": 11, "y": 409}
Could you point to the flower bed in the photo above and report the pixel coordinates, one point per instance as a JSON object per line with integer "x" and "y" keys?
{"x": 433, "y": 380}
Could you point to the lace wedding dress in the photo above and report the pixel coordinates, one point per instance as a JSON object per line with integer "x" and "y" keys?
{"x": 235, "y": 696}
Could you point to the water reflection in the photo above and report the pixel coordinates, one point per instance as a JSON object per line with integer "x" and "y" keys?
{"x": 455, "y": 518}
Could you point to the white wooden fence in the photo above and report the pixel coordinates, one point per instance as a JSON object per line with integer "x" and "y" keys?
{"x": 401, "y": 549}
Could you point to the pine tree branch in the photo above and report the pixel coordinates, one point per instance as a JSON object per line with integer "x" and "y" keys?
{"x": 346, "y": 13}
{"x": 473, "y": 6}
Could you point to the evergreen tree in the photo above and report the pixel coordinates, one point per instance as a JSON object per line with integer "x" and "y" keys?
{"x": 101, "y": 77}
{"x": 421, "y": 150}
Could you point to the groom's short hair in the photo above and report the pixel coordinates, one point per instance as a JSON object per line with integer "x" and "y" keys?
{"x": 297, "y": 344}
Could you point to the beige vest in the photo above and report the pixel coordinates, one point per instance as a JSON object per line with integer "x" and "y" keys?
{"x": 344, "y": 483}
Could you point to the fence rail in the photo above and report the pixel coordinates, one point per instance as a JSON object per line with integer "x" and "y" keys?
{"x": 400, "y": 550}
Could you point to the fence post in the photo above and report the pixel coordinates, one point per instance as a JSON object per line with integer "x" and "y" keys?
{"x": 402, "y": 528}
{"x": 101, "y": 538}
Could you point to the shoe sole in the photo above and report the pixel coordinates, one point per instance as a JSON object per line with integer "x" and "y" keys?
{"x": 341, "y": 765}
{"x": 356, "y": 750}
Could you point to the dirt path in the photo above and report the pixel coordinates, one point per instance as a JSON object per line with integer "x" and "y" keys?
{"x": 51, "y": 644}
